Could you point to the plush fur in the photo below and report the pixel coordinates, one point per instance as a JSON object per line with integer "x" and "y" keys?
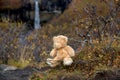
{"x": 61, "y": 52}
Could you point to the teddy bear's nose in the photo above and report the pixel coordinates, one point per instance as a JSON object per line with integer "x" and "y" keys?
{"x": 57, "y": 45}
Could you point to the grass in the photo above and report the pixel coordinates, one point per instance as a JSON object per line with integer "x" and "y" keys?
{"x": 18, "y": 64}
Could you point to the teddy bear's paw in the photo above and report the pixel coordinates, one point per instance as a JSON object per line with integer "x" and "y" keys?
{"x": 67, "y": 61}
{"x": 50, "y": 64}
{"x": 49, "y": 59}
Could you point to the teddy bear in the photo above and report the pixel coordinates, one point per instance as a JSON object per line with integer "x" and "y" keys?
{"x": 61, "y": 52}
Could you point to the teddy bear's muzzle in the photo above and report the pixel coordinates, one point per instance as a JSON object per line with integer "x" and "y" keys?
{"x": 57, "y": 45}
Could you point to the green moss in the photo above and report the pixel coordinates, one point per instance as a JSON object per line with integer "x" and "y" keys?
{"x": 18, "y": 64}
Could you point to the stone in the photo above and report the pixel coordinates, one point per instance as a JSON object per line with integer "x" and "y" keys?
{"x": 4, "y": 67}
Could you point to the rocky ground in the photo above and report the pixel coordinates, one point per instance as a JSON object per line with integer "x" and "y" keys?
{"x": 17, "y": 74}
{"x": 30, "y": 73}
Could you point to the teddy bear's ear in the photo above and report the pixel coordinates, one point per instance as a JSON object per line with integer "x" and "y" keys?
{"x": 66, "y": 39}
{"x": 54, "y": 38}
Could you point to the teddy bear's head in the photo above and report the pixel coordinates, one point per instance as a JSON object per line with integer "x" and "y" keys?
{"x": 59, "y": 41}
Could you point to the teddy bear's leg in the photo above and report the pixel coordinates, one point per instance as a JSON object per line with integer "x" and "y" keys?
{"x": 52, "y": 62}
{"x": 70, "y": 51}
{"x": 67, "y": 61}
{"x": 49, "y": 61}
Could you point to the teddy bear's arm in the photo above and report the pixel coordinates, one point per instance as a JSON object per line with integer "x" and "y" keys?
{"x": 70, "y": 51}
{"x": 53, "y": 53}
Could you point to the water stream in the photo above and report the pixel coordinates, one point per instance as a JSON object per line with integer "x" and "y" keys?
{"x": 37, "y": 16}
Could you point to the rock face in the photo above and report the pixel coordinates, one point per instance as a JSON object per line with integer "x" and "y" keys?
{"x": 23, "y": 10}
{"x": 18, "y": 74}
{"x": 10, "y": 4}
{"x": 44, "y": 4}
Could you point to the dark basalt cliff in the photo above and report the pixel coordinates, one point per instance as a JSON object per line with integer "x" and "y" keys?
{"x": 23, "y": 10}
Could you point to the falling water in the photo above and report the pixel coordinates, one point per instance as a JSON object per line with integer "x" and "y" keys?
{"x": 37, "y": 16}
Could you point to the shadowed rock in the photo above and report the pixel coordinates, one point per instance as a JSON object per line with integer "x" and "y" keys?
{"x": 107, "y": 75}
{"x": 18, "y": 74}
{"x": 12, "y": 73}
{"x": 2, "y": 77}
{"x": 4, "y": 67}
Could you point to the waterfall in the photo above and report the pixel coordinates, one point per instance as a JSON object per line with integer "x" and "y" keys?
{"x": 37, "y": 16}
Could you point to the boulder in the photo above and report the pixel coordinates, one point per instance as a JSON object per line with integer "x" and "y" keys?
{"x": 4, "y": 67}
